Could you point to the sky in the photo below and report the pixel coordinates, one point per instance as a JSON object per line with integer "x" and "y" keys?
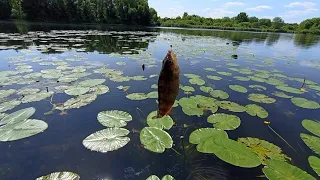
{"x": 290, "y": 11}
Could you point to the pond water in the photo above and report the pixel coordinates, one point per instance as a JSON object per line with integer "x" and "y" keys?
{"x": 56, "y": 58}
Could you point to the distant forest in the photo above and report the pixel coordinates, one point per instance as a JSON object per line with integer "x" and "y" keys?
{"x": 131, "y": 12}
{"x": 138, "y": 12}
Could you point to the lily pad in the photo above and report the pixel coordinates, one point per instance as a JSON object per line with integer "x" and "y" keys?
{"x": 155, "y": 139}
{"x": 209, "y": 69}
{"x": 216, "y": 78}
{"x": 231, "y": 106}
{"x": 264, "y": 149}
{"x": 201, "y": 135}
{"x": 167, "y": 177}
{"x": 281, "y": 95}
{"x": 137, "y": 96}
{"x": 153, "y": 95}
{"x": 255, "y": 110}
{"x": 166, "y": 122}
{"x": 224, "y": 121}
{"x": 37, "y": 97}
{"x": 305, "y": 103}
{"x": 6, "y": 93}
{"x": 106, "y": 140}
{"x": 114, "y": 118}
{"x": 138, "y": 78}
{"x": 91, "y": 82}
{"x": 312, "y": 142}
{"x": 276, "y": 170}
{"x": 225, "y": 73}
{"x": 99, "y": 89}
{"x": 315, "y": 87}
{"x": 315, "y": 164}
{"x": 76, "y": 90}
{"x": 274, "y": 81}
{"x": 206, "y": 89}
{"x": 197, "y": 81}
{"x": 189, "y": 107}
{"x": 78, "y": 102}
{"x": 192, "y": 76}
{"x": 261, "y": 98}
{"x": 289, "y": 89}
{"x": 258, "y": 87}
{"x": 238, "y": 88}
{"x": 8, "y": 105}
{"x": 219, "y": 94}
{"x": 312, "y": 126}
{"x": 153, "y": 177}
{"x": 240, "y": 78}
{"x": 187, "y": 88}
{"x": 67, "y": 79}
{"x": 18, "y": 116}
{"x": 60, "y": 176}
{"x": 27, "y": 91}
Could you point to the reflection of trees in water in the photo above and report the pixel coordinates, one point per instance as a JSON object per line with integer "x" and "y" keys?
{"x": 272, "y": 39}
{"x": 306, "y": 40}
{"x": 21, "y": 26}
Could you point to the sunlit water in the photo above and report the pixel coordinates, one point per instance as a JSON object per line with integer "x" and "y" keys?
{"x": 59, "y": 148}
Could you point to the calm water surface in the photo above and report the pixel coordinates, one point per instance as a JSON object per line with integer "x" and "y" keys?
{"x": 59, "y": 148}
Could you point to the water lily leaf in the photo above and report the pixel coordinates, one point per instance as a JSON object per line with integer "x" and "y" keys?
{"x": 153, "y": 75}
{"x": 99, "y": 89}
{"x": 118, "y": 78}
{"x": 60, "y": 176}
{"x": 312, "y": 126}
{"x": 216, "y": 78}
{"x": 78, "y": 102}
{"x": 274, "y": 81}
{"x": 238, "y": 88}
{"x": 312, "y": 142}
{"x": 125, "y": 88}
{"x": 209, "y": 69}
{"x": 51, "y": 71}
{"x": 231, "y": 106}
{"x": 154, "y": 86}
{"x": 78, "y": 75}
{"x": 91, "y": 82}
{"x": 114, "y": 118}
{"x": 203, "y": 134}
{"x": 258, "y": 87}
{"x": 289, "y": 89}
{"x": 315, "y": 87}
{"x": 106, "y": 140}
{"x": 206, "y": 89}
{"x": 138, "y": 78}
{"x": 153, "y": 95}
{"x": 22, "y": 129}
{"x": 192, "y": 111}
{"x": 276, "y": 170}
{"x": 155, "y": 139}
{"x": 315, "y": 164}
{"x": 240, "y": 78}
{"x": 8, "y": 105}
{"x": 52, "y": 76}
{"x": 76, "y": 90}
{"x": 67, "y": 79}
{"x": 257, "y": 79}
{"x": 187, "y": 88}
{"x": 225, "y": 73}
{"x": 263, "y": 75}
{"x": 18, "y": 116}
{"x": 137, "y": 96}
{"x": 34, "y": 75}
{"x": 27, "y": 91}
{"x": 231, "y": 152}
{"x": 166, "y": 122}
{"x": 261, "y": 98}
{"x": 281, "y": 95}
{"x": 305, "y": 103}
{"x": 37, "y": 97}
{"x": 256, "y": 110}
{"x": 192, "y": 76}
{"x": 6, "y": 93}
{"x": 197, "y": 81}
{"x": 167, "y": 177}
{"x": 264, "y": 149}
{"x": 153, "y": 177}
{"x": 224, "y": 121}
{"x": 219, "y": 94}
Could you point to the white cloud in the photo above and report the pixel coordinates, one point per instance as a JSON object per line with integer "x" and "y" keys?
{"x": 218, "y": 13}
{"x": 206, "y": 10}
{"x": 307, "y": 5}
{"x": 259, "y": 8}
{"x": 233, "y": 4}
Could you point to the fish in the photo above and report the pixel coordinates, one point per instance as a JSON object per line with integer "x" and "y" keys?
{"x": 168, "y": 84}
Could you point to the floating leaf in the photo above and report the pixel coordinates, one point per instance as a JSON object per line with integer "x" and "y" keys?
{"x": 258, "y": 87}
{"x": 6, "y": 93}
{"x": 274, "y": 81}
{"x": 155, "y": 139}
{"x": 27, "y": 91}
{"x": 238, "y": 88}
{"x": 276, "y": 170}
{"x": 154, "y": 86}
{"x": 206, "y": 89}
{"x": 114, "y": 118}
{"x": 165, "y": 122}
{"x": 261, "y": 98}
{"x": 18, "y": 116}
{"x": 99, "y": 89}
{"x": 312, "y": 142}
{"x": 91, "y": 82}
{"x": 120, "y": 63}
{"x": 289, "y": 89}
{"x": 255, "y": 110}
{"x": 312, "y": 126}
{"x": 8, "y": 105}
{"x": 167, "y": 177}
{"x": 137, "y": 96}
{"x": 257, "y": 79}
{"x": 187, "y": 88}
{"x": 67, "y": 79}
{"x": 264, "y": 149}
{"x": 315, "y": 87}
{"x": 76, "y": 90}
{"x": 78, "y": 102}
{"x": 52, "y": 76}
{"x": 209, "y": 69}
{"x": 153, "y": 95}
{"x": 189, "y": 107}
{"x": 200, "y": 136}
{"x": 198, "y": 81}
{"x": 240, "y": 78}
{"x": 106, "y": 140}
{"x": 153, "y": 177}
{"x": 315, "y": 164}
{"x": 138, "y": 78}
{"x": 37, "y": 97}
{"x": 225, "y": 73}
{"x": 231, "y": 106}
{"x": 305, "y": 103}
{"x": 216, "y": 78}
{"x": 281, "y": 95}
{"x": 224, "y": 121}
{"x": 21, "y": 129}
{"x": 60, "y": 176}
{"x": 219, "y": 94}
{"x": 192, "y": 76}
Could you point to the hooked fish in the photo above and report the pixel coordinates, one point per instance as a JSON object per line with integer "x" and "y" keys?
{"x": 168, "y": 84}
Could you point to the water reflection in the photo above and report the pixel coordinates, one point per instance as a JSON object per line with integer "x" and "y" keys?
{"x": 306, "y": 40}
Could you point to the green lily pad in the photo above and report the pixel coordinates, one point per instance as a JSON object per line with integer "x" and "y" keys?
{"x": 201, "y": 135}
{"x": 276, "y": 170}
{"x": 78, "y": 102}
{"x": 187, "y": 88}
{"x": 37, "y": 97}
{"x": 155, "y": 139}
{"x": 255, "y": 110}
{"x": 60, "y": 176}
{"x": 192, "y": 76}
{"x": 312, "y": 126}
{"x": 91, "y": 82}
{"x": 99, "y": 89}
{"x": 120, "y": 63}
{"x": 289, "y": 89}
{"x": 231, "y": 151}
{"x": 224, "y": 121}
{"x": 153, "y": 75}
{"x": 166, "y": 122}
{"x": 189, "y": 107}
{"x": 18, "y": 116}
{"x": 204, "y": 101}
{"x": 261, "y": 98}
{"x": 106, "y": 140}
{"x": 315, "y": 164}
{"x": 167, "y": 177}
{"x": 281, "y": 95}
{"x": 231, "y": 106}
{"x": 76, "y": 90}
{"x": 52, "y": 76}
{"x": 153, "y": 177}
{"x": 305, "y": 103}
{"x": 315, "y": 87}
{"x": 258, "y": 87}
{"x": 27, "y": 91}
{"x": 240, "y": 78}
{"x": 219, "y": 94}
{"x": 34, "y": 75}
{"x": 257, "y": 79}
{"x": 137, "y": 96}
{"x": 206, "y": 89}
{"x": 274, "y": 81}
{"x": 153, "y": 95}
{"x": 197, "y": 81}
{"x": 114, "y": 118}
{"x": 225, "y": 73}
{"x": 67, "y": 79}
{"x": 209, "y": 69}
{"x": 6, "y": 93}
{"x": 238, "y": 88}
{"x": 154, "y": 86}
{"x": 312, "y": 142}
{"x": 264, "y": 149}
{"x": 216, "y": 78}
{"x": 138, "y": 78}
{"x": 8, "y": 105}
{"x": 262, "y": 75}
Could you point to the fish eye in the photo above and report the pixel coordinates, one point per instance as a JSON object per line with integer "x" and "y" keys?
{"x": 170, "y": 61}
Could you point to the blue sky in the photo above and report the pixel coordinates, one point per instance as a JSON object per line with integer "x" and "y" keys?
{"x": 290, "y": 11}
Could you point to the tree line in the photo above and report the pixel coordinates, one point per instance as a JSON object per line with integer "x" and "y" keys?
{"x": 243, "y": 22}
{"x": 132, "y": 12}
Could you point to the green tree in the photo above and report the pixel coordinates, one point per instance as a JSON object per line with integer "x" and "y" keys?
{"x": 16, "y": 9}
{"x": 242, "y": 17}
{"x": 265, "y": 22}
{"x": 278, "y": 22}
{"x": 253, "y": 19}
